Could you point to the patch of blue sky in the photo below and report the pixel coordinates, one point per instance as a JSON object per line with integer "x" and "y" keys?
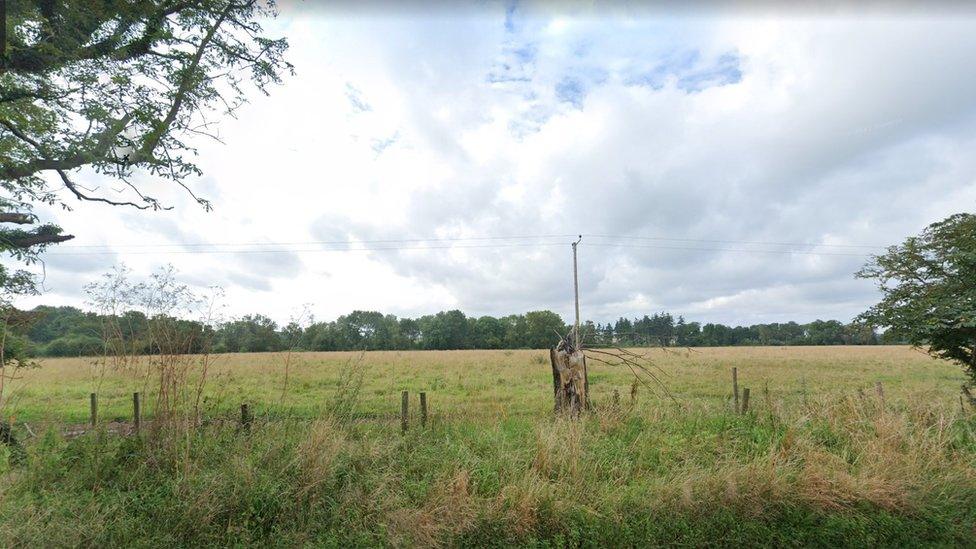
{"x": 724, "y": 71}
{"x": 526, "y": 53}
{"x": 530, "y": 121}
{"x": 356, "y": 99}
{"x": 573, "y": 88}
{"x": 515, "y": 65}
{"x": 380, "y": 145}
{"x": 690, "y": 72}
{"x": 510, "y": 10}
{"x": 505, "y": 76}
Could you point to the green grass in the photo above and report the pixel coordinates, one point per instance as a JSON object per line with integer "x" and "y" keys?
{"x": 812, "y": 464}
{"x": 489, "y": 384}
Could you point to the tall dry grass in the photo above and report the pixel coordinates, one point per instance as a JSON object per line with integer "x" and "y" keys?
{"x": 815, "y": 461}
{"x": 167, "y": 357}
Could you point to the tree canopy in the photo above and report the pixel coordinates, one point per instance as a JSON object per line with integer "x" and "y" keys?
{"x": 68, "y": 331}
{"x": 928, "y": 287}
{"x": 121, "y": 88}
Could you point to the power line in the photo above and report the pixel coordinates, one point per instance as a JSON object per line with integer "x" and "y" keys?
{"x": 402, "y": 244}
{"x": 471, "y": 239}
{"x": 326, "y": 242}
{"x": 705, "y": 240}
{"x": 315, "y": 250}
{"x": 687, "y": 248}
{"x": 450, "y": 247}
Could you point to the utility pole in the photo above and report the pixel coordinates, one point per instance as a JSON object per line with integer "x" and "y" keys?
{"x": 576, "y": 336}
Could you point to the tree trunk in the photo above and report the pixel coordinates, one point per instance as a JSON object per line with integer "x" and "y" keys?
{"x": 569, "y": 381}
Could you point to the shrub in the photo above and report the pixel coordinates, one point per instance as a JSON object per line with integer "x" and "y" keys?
{"x": 73, "y": 345}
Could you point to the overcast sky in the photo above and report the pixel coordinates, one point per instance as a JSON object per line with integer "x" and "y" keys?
{"x": 752, "y": 160}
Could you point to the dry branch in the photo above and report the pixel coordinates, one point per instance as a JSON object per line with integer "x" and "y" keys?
{"x": 570, "y": 387}
{"x": 641, "y": 366}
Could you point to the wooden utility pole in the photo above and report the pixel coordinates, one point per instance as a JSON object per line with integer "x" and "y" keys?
{"x": 576, "y": 329}
{"x": 569, "y": 380}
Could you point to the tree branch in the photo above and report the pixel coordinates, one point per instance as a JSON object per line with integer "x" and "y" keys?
{"x": 38, "y": 58}
{"x": 19, "y": 218}
{"x": 34, "y": 240}
{"x": 71, "y": 186}
{"x": 152, "y": 139}
{"x": 103, "y": 142}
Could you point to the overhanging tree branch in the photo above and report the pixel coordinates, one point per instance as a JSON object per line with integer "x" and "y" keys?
{"x": 103, "y": 142}
{"x": 19, "y": 218}
{"x": 152, "y": 139}
{"x": 63, "y": 45}
{"x": 37, "y": 239}
{"x": 71, "y": 186}
{"x": 118, "y": 87}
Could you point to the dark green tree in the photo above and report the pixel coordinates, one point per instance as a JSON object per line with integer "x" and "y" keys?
{"x": 515, "y": 328}
{"x": 249, "y": 334}
{"x": 716, "y": 335}
{"x": 660, "y": 329}
{"x": 322, "y": 336}
{"x": 408, "y": 334}
{"x": 589, "y": 333}
{"x": 623, "y": 332}
{"x": 687, "y": 334}
{"x": 928, "y": 290}
{"x": 369, "y": 330}
{"x": 445, "y": 330}
{"x": 543, "y": 329}
{"x": 825, "y": 332}
{"x": 489, "y": 333}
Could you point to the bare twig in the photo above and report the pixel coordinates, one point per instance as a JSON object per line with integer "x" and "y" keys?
{"x": 636, "y": 363}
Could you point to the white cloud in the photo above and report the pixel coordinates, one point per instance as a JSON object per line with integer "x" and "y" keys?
{"x": 815, "y": 130}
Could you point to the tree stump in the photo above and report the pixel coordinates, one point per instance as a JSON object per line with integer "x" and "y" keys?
{"x": 569, "y": 380}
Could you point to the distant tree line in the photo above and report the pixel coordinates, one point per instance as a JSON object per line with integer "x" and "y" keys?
{"x": 69, "y": 331}
{"x": 664, "y": 330}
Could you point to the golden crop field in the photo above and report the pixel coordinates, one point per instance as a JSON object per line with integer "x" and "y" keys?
{"x": 498, "y": 383}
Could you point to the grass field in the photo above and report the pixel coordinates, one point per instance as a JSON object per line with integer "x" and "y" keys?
{"x": 818, "y": 460}
{"x": 497, "y": 384}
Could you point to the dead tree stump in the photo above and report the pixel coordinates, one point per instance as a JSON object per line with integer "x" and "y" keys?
{"x": 569, "y": 380}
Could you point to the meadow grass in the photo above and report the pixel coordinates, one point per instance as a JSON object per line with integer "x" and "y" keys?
{"x": 814, "y": 463}
{"x": 492, "y": 384}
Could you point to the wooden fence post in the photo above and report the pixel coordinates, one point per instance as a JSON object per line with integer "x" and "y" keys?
{"x": 735, "y": 388}
{"x": 136, "y": 413}
{"x": 404, "y": 408}
{"x": 245, "y": 417}
{"x": 745, "y": 400}
{"x": 423, "y": 409}
{"x": 94, "y": 409}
